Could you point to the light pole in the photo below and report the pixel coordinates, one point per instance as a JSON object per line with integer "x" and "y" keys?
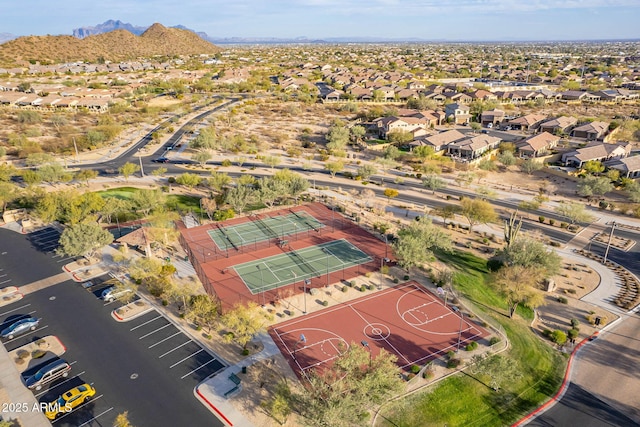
{"x": 606, "y": 252}
{"x": 261, "y": 284}
{"x": 141, "y": 168}
{"x": 326, "y": 251}
{"x": 365, "y": 344}
{"x": 459, "y": 331}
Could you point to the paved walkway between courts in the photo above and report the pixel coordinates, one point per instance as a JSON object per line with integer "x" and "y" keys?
{"x": 216, "y": 391}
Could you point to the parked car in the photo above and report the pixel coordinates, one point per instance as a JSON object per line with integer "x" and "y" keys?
{"x": 49, "y": 372}
{"x": 20, "y": 327}
{"x": 112, "y": 293}
{"x": 69, "y": 400}
{"x": 161, "y": 160}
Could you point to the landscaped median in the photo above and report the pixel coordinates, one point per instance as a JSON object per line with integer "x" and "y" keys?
{"x": 8, "y": 295}
{"x": 131, "y": 311}
{"x": 37, "y": 352}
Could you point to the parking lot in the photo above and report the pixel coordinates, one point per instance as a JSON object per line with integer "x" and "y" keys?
{"x": 146, "y": 367}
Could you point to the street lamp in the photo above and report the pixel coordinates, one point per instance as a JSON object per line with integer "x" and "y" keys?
{"x": 261, "y": 284}
{"x": 606, "y": 252}
{"x": 326, "y": 251}
{"x": 140, "y": 159}
{"x": 365, "y": 344}
{"x": 460, "y": 330}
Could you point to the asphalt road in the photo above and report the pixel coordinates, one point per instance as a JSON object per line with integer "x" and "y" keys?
{"x": 605, "y": 387}
{"x": 121, "y": 360}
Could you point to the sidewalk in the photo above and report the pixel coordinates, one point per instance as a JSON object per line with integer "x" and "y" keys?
{"x": 217, "y": 391}
{"x": 17, "y": 400}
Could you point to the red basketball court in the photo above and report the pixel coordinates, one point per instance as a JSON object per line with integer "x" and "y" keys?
{"x": 406, "y": 320}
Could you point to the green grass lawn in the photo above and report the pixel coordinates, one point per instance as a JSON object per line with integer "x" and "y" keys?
{"x": 176, "y": 202}
{"x": 464, "y": 401}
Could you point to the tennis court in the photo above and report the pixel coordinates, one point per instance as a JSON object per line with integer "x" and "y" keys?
{"x": 261, "y": 229}
{"x": 297, "y": 265}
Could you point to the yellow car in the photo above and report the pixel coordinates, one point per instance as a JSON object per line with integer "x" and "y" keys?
{"x": 69, "y": 401}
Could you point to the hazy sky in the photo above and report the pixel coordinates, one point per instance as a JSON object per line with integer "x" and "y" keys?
{"x": 425, "y": 19}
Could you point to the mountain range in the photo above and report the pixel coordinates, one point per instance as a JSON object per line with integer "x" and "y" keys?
{"x": 116, "y": 45}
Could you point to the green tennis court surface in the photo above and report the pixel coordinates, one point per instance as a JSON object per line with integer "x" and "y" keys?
{"x": 259, "y": 230}
{"x": 295, "y": 266}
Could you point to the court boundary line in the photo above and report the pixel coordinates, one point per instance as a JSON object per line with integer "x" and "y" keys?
{"x": 416, "y": 287}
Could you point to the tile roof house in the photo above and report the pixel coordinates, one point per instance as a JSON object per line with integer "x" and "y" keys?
{"x": 483, "y": 95}
{"x": 439, "y": 141}
{"x": 385, "y": 125}
{"x": 559, "y": 124}
{"x": 591, "y": 131}
{"x": 629, "y": 167}
{"x": 494, "y": 117}
{"x": 459, "y": 113}
{"x": 527, "y": 122}
{"x": 471, "y": 148}
{"x": 537, "y": 145}
{"x": 595, "y": 151}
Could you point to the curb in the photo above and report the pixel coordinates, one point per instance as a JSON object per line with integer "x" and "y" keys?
{"x": 219, "y": 414}
{"x": 126, "y": 319}
{"x": 563, "y": 387}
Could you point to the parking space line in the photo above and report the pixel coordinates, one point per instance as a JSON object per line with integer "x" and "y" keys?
{"x": 6, "y": 281}
{"x": 96, "y": 417}
{"x": 28, "y": 333}
{"x": 167, "y": 338}
{"x": 62, "y": 416}
{"x": 189, "y": 356}
{"x": 58, "y": 385}
{"x": 15, "y": 309}
{"x": 153, "y": 332}
{"x": 148, "y": 321}
{"x": 199, "y": 367}
{"x": 174, "y": 349}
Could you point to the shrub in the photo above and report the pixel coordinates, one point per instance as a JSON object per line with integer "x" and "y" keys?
{"x": 563, "y": 225}
{"x": 345, "y": 289}
{"x": 37, "y": 354}
{"x": 563, "y": 300}
{"x": 558, "y": 337}
{"x": 547, "y": 333}
{"x": 415, "y": 369}
{"x": 428, "y": 373}
{"x": 165, "y": 302}
{"x": 453, "y": 363}
{"x": 171, "y": 180}
{"x": 367, "y": 274}
{"x": 395, "y": 280}
{"x": 226, "y": 163}
{"x": 552, "y": 221}
{"x": 410, "y": 376}
{"x": 451, "y": 354}
{"x": 23, "y": 354}
{"x": 352, "y": 283}
{"x": 541, "y": 219}
{"x": 207, "y": 336}
{"x": 494, "y": 340}
{"x": 384, "y": 269}
{"x": 573, "y": 334}
{"x": 325, "y": 303}
{"x": 574, "y": 323}
{"x": 471, "y": 346}
{"x": 405, "y": 277}
{"x": 245, "y": 351}
{"x": 362, "y": 288}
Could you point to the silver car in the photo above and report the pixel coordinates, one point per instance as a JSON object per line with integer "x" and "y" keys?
{"x": 20, "y": 327}
{"x": 50, "y": 371}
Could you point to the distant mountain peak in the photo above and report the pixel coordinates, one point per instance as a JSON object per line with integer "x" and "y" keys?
{"x": 107, "y": 26}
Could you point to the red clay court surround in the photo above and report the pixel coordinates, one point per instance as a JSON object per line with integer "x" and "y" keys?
{"x": 213, "y": 265}
{"x": 406, "y": 320}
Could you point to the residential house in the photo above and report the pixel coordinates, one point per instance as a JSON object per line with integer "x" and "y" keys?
{"x": 439, "y": 141}
{"x": 471, "y": 148}
{"x": 578, "y": 95}
{"x": 458, "y": 97}
{"x": 598, "y": 151}
{"x": 493, "y": 117}
{"x": 457, "y": 113}
{"x": 527, "y": 122}
{"x": 559, "y": 124}
{"x": 591, "y": 131}
{"x": 483, "y": 95}
{"x": 436, "y": 96}
{"x": 385, "y": 125}
{"x": 629, "y": 167}
{"x": 537, "y": 145}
